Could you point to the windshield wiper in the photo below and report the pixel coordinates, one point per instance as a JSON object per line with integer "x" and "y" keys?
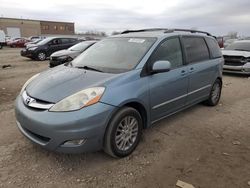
{"x": 242, "y": 50}
{"x": 89, "y": 68}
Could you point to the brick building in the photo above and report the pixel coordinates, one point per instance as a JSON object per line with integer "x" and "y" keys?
{"x": 14, "y": 27}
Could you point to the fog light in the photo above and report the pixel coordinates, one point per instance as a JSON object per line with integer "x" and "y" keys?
{"x": 74, "y": 142}
{"x": 246, "y": 67}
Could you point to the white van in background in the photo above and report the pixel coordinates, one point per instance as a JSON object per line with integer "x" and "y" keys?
{"x": 2, "y": 38}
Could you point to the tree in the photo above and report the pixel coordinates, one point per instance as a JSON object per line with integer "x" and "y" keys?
{"x": 232, "y": 35}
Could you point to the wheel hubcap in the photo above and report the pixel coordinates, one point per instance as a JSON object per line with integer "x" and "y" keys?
{"x": 216, "y": 92}
{"x": 126, "y": 133}
{"x": 41, "y": 56}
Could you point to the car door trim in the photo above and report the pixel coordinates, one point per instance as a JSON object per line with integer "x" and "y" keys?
{"x": 180, "y": 97}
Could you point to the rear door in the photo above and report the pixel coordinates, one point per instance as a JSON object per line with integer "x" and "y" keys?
{"x": 199, "y": 68}
{"x": 54, "y": 45}
{"x": 68, "y": 42}
{"x": 168, "y": 90}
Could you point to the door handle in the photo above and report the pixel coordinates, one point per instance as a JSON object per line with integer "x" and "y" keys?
{"x": 191, "y": 69}
{"x": 183, "y": 72}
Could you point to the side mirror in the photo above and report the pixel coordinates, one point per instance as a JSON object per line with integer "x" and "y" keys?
{"x": 161, "y": 66}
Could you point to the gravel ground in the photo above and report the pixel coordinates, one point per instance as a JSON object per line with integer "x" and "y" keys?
{"x": 208, "y": 147}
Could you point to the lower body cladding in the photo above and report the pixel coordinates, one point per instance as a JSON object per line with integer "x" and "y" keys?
{"x": 244, "y": 69}
{"x": 69, "y": 132}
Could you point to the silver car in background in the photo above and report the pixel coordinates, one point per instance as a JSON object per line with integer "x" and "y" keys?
{"x": 237, "y": 57}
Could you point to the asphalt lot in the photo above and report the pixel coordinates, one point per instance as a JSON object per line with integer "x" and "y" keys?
{"x": 208, "y": 147}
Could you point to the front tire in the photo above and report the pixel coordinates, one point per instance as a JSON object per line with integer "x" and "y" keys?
{"x": 215, "y": 93}
{"x": 123, "y": 133}
{"x": 41, "y": 56}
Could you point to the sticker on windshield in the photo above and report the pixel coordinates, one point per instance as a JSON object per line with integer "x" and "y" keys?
{"x": 137, "y": 40}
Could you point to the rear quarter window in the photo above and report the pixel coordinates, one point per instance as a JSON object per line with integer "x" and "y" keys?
{"x": 196, "y": 49}
{"x": 214, "y": 48}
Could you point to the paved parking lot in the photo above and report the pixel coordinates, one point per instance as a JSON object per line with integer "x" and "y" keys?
{"x": 208, "y": 147}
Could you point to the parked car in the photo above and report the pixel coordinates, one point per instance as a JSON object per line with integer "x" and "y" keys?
{"x": 35, "y": 38}
{"x": 229, "y": 41}
{"x": 10, "y": 40}
{"x": 18, "y": 43}
{"x": 237, "y": 57}
{"x": 119, "y": 86}
{"x": 43, "y": 49}
{"x": 220, "y": 41}
{"x": 67, "y": 55}
{"x": 32, "y": 43}
{"x": 2, "y": 39}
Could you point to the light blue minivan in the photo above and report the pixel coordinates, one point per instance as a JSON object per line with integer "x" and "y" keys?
{"x": 121, "y": 85}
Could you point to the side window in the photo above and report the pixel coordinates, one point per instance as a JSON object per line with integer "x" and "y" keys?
{"x": 170, "y": 50}
{"x": 65, "y": 41}
{"x": 214, "y": 48}
{"x": 72, "y": 40}
{"x": 56, "y": 42}
{"x": 196, "y": 49}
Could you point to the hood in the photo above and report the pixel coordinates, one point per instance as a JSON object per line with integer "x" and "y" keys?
{"x": 65, "y": 52}
{"x": 55, "y": 84}
{"x": 236, "y": 53}
{"x": 31, "y": 45}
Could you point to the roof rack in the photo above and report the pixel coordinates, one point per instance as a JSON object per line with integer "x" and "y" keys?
{"x": 187, "y": 30}
{"x": 166, "y": 30}
{"x": 143, "y": 30}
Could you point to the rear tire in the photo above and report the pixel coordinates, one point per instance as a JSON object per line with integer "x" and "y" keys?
{"x": 123, "y": 134}
{"x": 215, "y": 93}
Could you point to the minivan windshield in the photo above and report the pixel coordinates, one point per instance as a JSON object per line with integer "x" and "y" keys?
{"x": 81, "y": 46}
{"x": 240, "y": 46}
{"x": 114, "y": 55}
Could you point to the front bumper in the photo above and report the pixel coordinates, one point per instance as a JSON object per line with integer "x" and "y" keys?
{"x": 27, "y": 53}
{"x": 245, "y": 69}
{"x": 55, "y": 61}
{"x": 51, "y": 130}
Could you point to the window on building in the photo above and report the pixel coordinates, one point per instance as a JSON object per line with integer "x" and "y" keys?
{"x": 55, "y": 27}
{"x": 45, "y": 27}
{"x": 62, "y": 28}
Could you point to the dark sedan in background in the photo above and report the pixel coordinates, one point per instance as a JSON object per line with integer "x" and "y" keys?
{"x": 64, "y": 56}
{"x": 43, "y": 49}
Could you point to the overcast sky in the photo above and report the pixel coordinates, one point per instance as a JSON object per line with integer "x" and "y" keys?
{"x": 215, "y": 16}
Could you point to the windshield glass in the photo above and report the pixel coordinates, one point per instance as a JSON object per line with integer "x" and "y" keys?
{"x": 44, "y": 41}
{"x": 241, "y": 46}
{"x": 115, "y": 55}
{"x": 80, "y": 46}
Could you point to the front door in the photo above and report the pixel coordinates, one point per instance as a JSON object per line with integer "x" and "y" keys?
{"x": 168, "y": 90}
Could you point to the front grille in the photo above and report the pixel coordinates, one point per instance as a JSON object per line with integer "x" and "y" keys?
{"x": 35, "y": 103}
{"x": 54, "y": 58}
{"x": 235, "y": 60}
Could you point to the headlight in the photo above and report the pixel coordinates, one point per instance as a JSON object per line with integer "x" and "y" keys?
{"x": 32, "y": 48}
{"x": 27, "y": 82}
{"x": 63, "y": 57}
{"x": 79, "y": 100}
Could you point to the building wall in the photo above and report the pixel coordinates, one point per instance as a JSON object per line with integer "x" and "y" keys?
{"x": 36, "y": 27}
{"x": 27, "y": 27}
{"x": 60, "y": 28}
